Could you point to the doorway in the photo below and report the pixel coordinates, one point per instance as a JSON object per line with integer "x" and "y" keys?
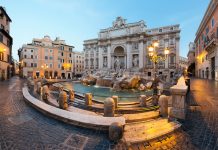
{"x": 213, "y": 68}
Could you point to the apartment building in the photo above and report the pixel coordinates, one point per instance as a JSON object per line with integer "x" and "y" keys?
{"x": 78, "y": 63}
{"x": 46, "y": 58}
{"x": 206, "y": 51}
{"x": 6, "y": 42}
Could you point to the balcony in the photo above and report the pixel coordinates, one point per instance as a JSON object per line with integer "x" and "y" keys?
{"x": 149, "y": 66}
{"x": 161, "y": 66}
{"x": 172, "y": 66}
{"x": 211, "y": 42}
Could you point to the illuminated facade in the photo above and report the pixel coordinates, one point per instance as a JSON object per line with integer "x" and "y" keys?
{"x": 5, "y": 45}
{"x": 127, "y": 44}
{"x": 46, "y": 58}
{"x": 206, "y": 42}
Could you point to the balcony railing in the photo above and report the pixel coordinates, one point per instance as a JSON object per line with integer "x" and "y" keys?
{"x": 210, "y": 41}
{"x": 149, "y": 66}
{"x": 172, "y": 65}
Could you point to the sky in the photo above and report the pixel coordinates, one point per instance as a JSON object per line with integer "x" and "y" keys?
{"x": 77, "y": 20}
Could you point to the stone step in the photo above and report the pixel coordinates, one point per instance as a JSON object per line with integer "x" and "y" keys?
{"x": 144, "y": 131}
{"x": 141, "y": 116}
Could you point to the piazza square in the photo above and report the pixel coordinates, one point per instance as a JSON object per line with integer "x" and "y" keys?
{"x": 102, "y": 75}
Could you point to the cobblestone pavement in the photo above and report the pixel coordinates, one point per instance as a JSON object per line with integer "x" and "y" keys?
{"x": 22, "y": 127}
{"x": 200, "y": 130}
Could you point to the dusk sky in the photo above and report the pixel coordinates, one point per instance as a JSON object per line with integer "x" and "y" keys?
{"x": 77, "y": 20}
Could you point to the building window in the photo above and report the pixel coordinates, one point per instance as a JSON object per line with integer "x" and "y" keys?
{"x": 172, "y": 59}
{"x": 50, "y": 57}
{"x": 35, "y": 65}
{"x": 149, "y": 74}
{"x": 8, "y": 58}
{"x": 51, "y": 50}
{"x": 24, "y": 56}
{"x": 1, "y": 38}
{"x": 62, "y": 54}
{"x": 62, "y": 48}
{"x": 2, "y": 27}
{"x": 31, "y": 50}
{"x": 8, "y": 43}
{"x": 31, "y": 56}
{"x": 46, "y": 57}
{"x": 2, "y": 56}
{"x": 160, "y": 30}
{"x": 69, "y": 55}
{"x": 31, "y": 64}
{"x": 212, "y": 22}
{"x": 207, "y": 30}
{"x": 59, "y": 65}
{"x": 50, "y": 65}
{"x": 36, "y": 57}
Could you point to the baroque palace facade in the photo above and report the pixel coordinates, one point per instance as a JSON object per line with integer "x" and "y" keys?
{"x": 127, "y": 44}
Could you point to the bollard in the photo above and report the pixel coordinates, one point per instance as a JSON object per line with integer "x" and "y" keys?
{"x": 88, "y": 99}
{"x": 163, "y": 103}
{"x": 115, "y": 131}
{"x": 143, "y": 100}
{"x": 115, "y": 98}
{"x": 62, "y": 100}
{"x": 38, "y": 87}
{"x": 71, "y": 95}
{"x": 45, "y": 92}
{"x": 109, "y": 107}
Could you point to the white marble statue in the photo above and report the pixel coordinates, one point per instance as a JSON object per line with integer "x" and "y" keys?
{"x": 117, "y": 64}
{"x": 135, "y": 61}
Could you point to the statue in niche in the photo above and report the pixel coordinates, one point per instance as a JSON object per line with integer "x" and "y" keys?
{"x": 117, "y": 64}
{"x": 105, "y": 62}
{"x": 135, "y": 61}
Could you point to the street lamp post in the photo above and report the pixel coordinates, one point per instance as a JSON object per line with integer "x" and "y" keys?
{"x": 155, "y": 58}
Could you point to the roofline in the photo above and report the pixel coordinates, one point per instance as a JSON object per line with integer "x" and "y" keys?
{"x": 4, "y": 11}
{"x": 203, "y": 21}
